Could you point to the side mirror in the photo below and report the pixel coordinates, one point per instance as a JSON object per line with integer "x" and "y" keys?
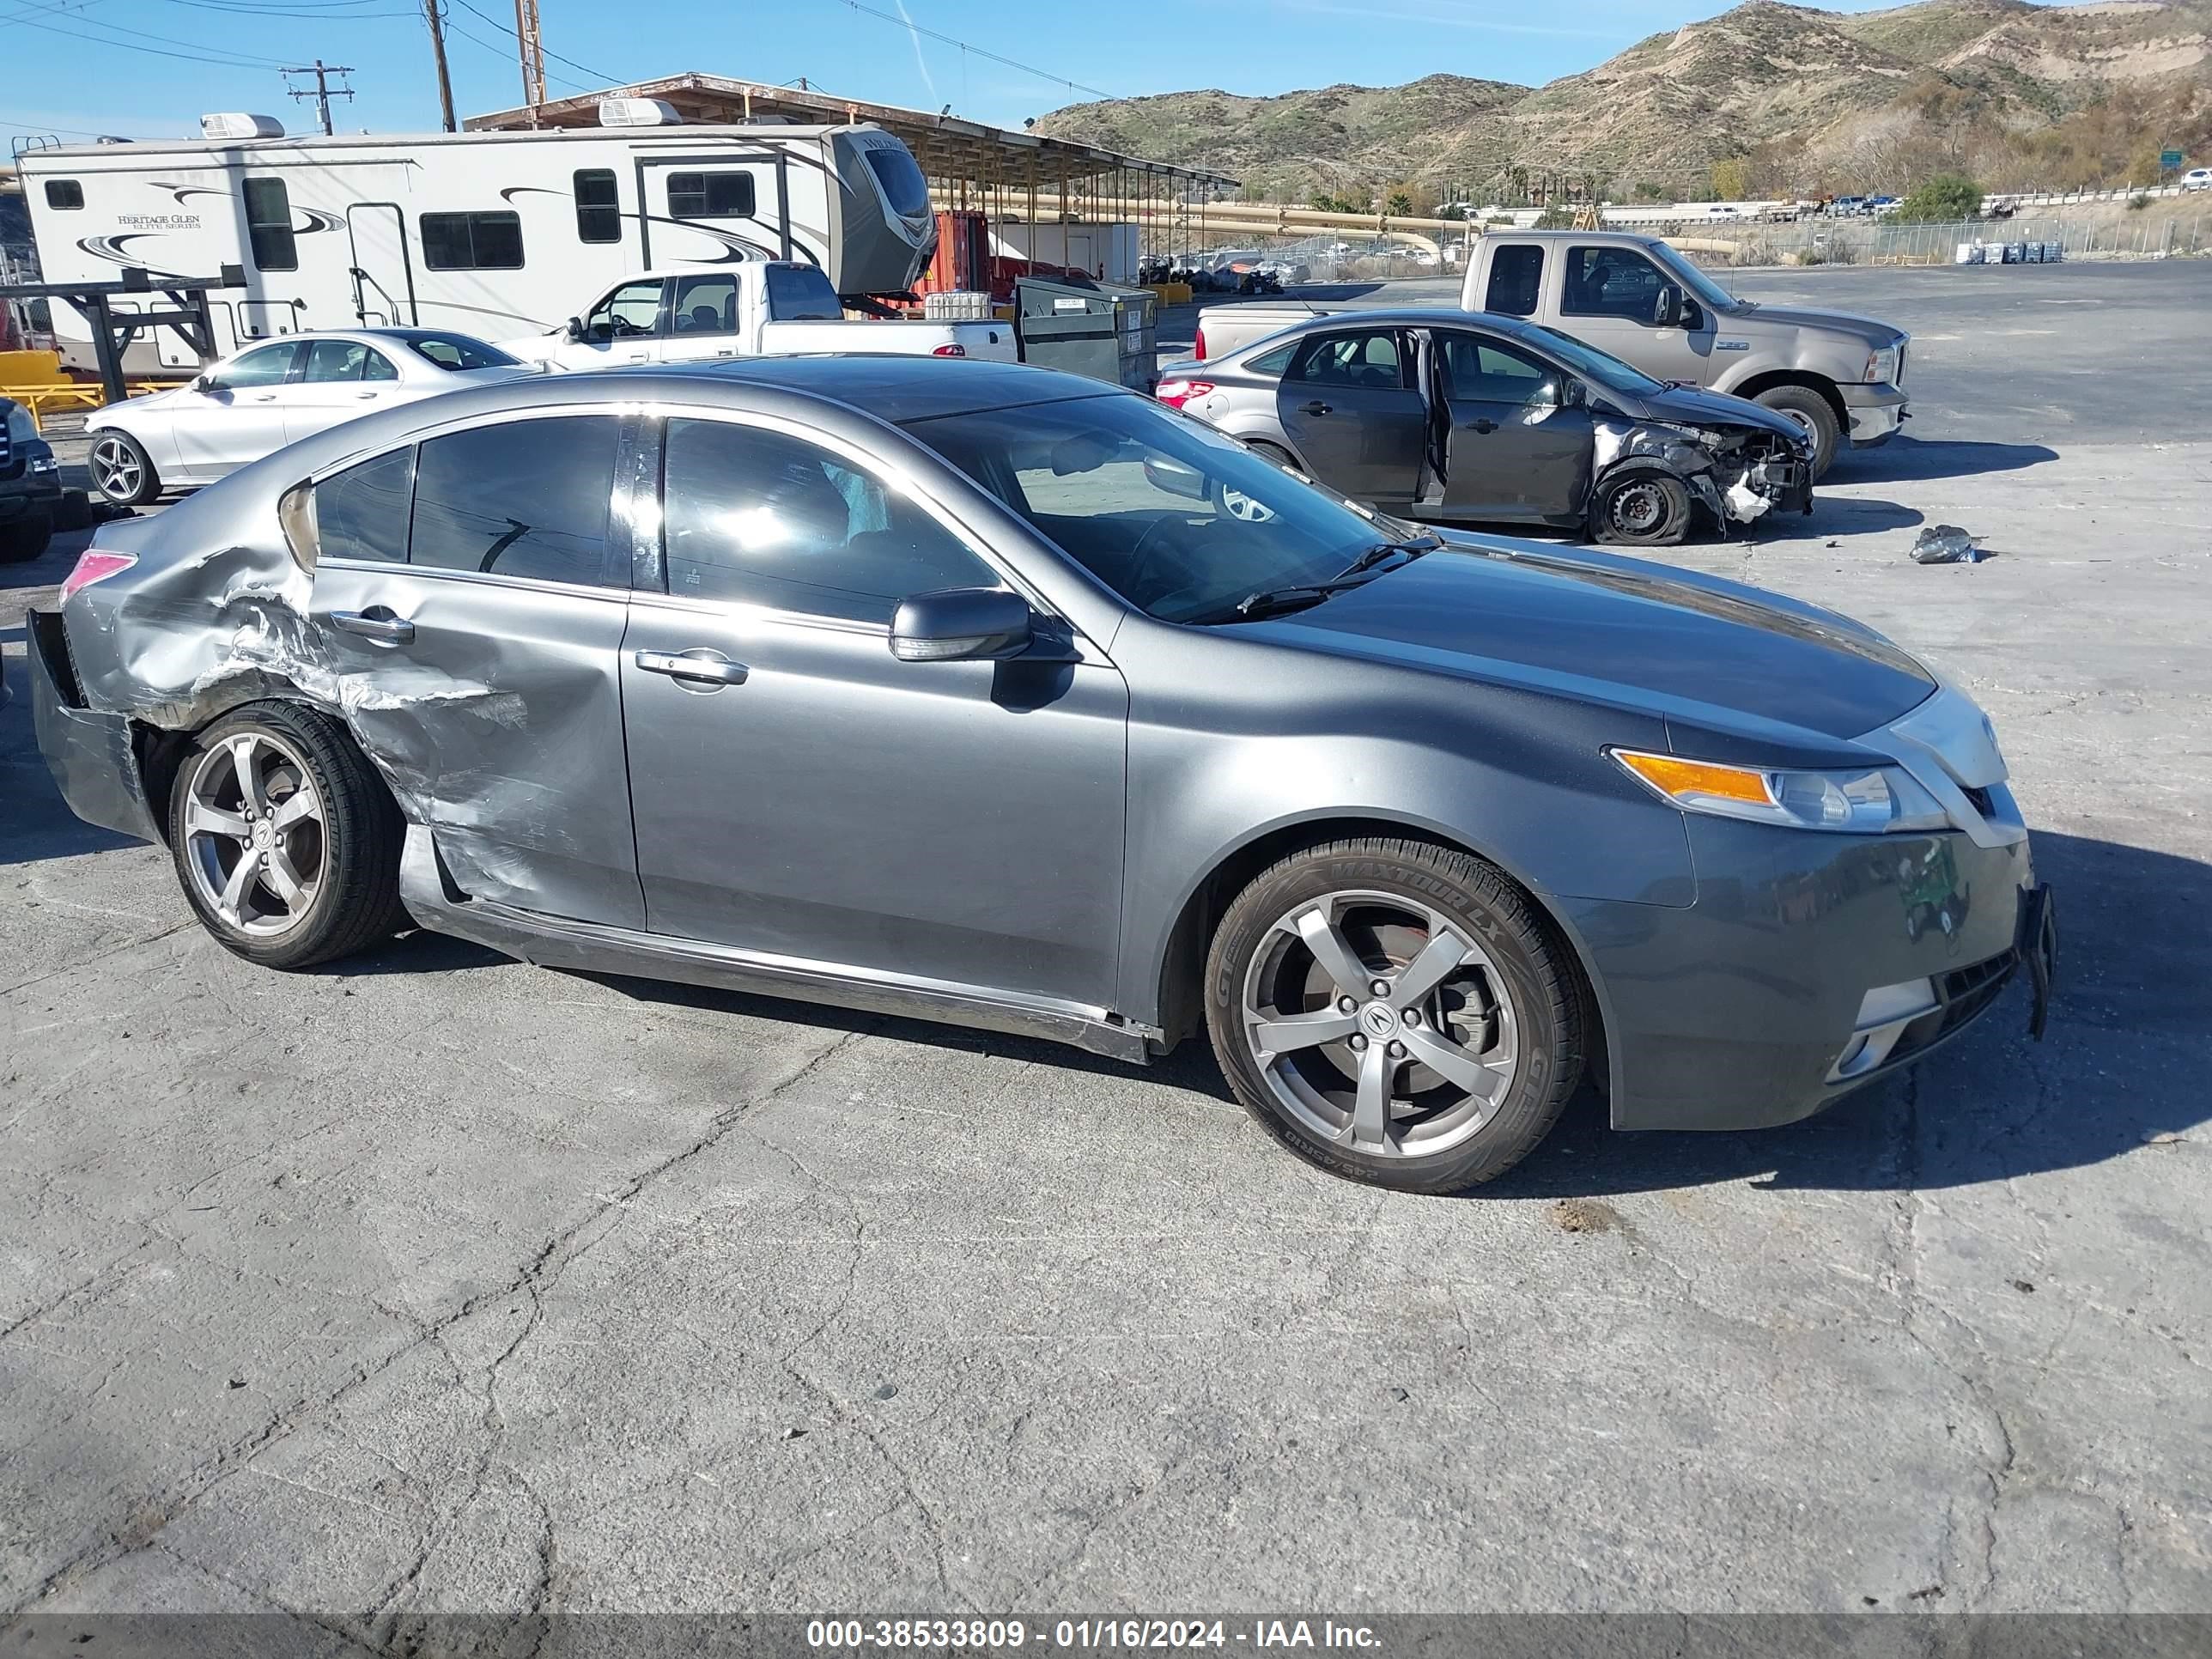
{"x": 206, "y": 383}
{"x": 960, "y": 624}
{"x": 575, "y": 328}
{"x": 1573, "y": 394}
{"x": 1666, "y": 308}
{"x": 1174, "y": 478}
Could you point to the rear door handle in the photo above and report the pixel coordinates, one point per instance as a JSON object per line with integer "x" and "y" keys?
{"x": 1312, "y": 408}
{"x": 696, "y": 663}
{"x": 377, "y": 623}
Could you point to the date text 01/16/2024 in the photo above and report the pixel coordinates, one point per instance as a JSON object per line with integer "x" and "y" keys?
{"x": 1122, "y": 1634}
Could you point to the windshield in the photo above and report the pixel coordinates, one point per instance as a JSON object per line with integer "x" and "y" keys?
{"x": 1694, "y": 281}
{"x": 1602, "y": 366}
{"x": 1179, "y": 521}
{"x": 459, "y": 352}
{"x": 904, "y": 187}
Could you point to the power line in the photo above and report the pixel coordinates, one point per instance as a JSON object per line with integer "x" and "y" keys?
{"x": 950, "y": 41}
{"x": 604, "y": 79}
{"x": 125, "y": 46}
{"x": 322, "y": 94}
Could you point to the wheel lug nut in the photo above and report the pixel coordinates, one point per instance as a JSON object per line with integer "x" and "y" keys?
{"x": 1345, "y": 1004}
{"x": 1397, "y": 1051}
{"x": 1412, "y": 1016}
{"x": 1381, "y": 987}
{"x": 1358, "y": 1042}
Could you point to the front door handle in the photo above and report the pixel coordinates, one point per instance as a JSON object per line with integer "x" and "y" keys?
{"x": 1483, "y": 425}
{"x": 377, "y": 623}
{"x": 1316, "y": 408}
{"x": 696, "y": 663}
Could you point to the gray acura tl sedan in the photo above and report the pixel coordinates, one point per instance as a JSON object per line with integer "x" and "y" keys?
{"x": 988, "y": 694}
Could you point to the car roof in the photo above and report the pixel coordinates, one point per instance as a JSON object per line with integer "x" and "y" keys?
{"x": 893, "y": 387}
{"x": 1406, "y": 317}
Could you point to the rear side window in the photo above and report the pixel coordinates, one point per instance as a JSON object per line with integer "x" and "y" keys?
{"x": 599, "y": 211}
{"x": 1271, "y": 362}
{"x": 1516, "y": 274}
{"x": 526, "y": 498}
{"x": 346, "y": 360}
{"x": 710, "y": 195}
{"x": 1366, "y": 358}
{"x": 473, "y": 241}
{"x": 268, "y": 225}
{"x": 361, "y": 513}
{"x": 64, "y": 195}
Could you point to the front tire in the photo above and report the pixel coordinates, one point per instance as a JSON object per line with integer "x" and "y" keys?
{"x": 285, "y": 840}
{"x": 1815, "y": 415}
{"x": 1395, "y": 1012}
{"x": 1640, "y": 507}
{"x": 25, "y": 538}
{"x": 122, "y": 471}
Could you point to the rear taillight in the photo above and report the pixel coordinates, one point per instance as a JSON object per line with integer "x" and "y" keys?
{"x": 94, "y": 566}
{"x": 950, "y": 351}
{"x": 1198, "y": 346}
{"x": 1175, "y": 393}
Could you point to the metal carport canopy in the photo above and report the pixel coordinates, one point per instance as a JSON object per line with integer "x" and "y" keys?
{"x": 947, "y": 146}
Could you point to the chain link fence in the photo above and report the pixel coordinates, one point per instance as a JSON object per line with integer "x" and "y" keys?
{"x": 1885, "y": 242}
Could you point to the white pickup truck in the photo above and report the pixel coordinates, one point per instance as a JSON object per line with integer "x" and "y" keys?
{"x": 760, "y": 308}
{"x": 1837, "y": 376}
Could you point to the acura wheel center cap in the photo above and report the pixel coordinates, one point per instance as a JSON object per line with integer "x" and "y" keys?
{"x": 264, "y": 835}
{"x": 1376, "y": 1019}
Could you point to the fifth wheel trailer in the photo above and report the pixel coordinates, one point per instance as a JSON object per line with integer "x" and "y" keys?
{"x": 489, "y": 233}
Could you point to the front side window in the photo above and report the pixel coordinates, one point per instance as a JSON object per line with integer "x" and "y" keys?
{"x": 524, "y": 498}
{"x": 1484, "y": 372}
{"x": 759, "y": 518}
{"x": 710, "y": 195}
{"x": 704, "y": 305}
{"x": 361, "y": 513}
{"x": 262, "y": 366}
{"x": 473, "y": 241}
{"x": 632, "y": 309}
{"x": 1366, "y": 357}
{"x": 346, "y": 360}
{"x": 64, "y": 195}
{"x": 598, "y": 210}
{"x": 1516, "y": 274}
{"x": 268, "y": 225}
{"x": 1610, "y": 282}
{"x": 1181, "y": 521}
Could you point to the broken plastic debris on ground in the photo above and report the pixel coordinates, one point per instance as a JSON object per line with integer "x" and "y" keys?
{"x": 1946, "y": 543}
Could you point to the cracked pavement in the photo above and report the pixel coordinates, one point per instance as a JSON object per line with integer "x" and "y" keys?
{"x": 436, "y": 1283}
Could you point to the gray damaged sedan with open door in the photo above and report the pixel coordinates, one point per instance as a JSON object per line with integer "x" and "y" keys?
{"x": 1461, "y": 417}
{"x": 987, "y": 695}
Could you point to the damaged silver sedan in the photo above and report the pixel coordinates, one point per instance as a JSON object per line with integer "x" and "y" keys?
{"x": 1451, "y": 416}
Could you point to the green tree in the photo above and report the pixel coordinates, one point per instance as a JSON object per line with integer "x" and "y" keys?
{"x": 1941, "y": 199}
{"x": 1399, "y": 203}
{"x": 1557, "y": 218}
{"x": 1731, "y": 180}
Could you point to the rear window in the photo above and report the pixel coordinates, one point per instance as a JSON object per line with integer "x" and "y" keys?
{"x": 801, "y": 294}
{"x": 459, "y": 352}
{"x": 904, "y": 187}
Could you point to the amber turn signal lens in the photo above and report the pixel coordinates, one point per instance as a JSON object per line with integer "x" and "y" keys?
{"x": 1674, "y": 778}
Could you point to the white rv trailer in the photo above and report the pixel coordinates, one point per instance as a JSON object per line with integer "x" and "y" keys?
{"x": 489, "y": 233}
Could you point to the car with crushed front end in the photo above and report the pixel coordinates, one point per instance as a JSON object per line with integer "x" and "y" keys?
{"x": 992, "y": 695}
{"x": 1460, "y": 418}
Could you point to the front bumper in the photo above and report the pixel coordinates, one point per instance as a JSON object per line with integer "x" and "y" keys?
{"x": 33, "y": 494}
{"x": 1874, "y": 412}
{"x": 1736, "y": 1012}
{"x": 91, "y": 755}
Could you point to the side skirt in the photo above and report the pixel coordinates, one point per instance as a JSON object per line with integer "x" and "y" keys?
{"x": 594, "y": 947}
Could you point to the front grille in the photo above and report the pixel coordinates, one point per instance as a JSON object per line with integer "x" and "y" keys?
{"x": 1979, "y": 799}
{"x": 1902, "y": 348}
{"x": 1966, "y": 991}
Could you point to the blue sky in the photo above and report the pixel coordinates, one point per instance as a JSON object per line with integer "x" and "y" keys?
{"x": 146, "y": 68}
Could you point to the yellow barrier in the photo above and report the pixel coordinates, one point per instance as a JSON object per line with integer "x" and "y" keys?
{"x": 31, "y": 368}
{"x": 68, "y": 394}
{"x": 1171, "y": 293}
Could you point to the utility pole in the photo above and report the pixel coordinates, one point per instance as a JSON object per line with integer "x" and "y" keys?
{"x": 322, "y": 93}
{"x": 438, "y": 51}
{"x": 533, "y": 46}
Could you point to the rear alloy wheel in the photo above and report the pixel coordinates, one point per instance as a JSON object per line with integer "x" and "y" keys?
{"x": 1395, "y": 1012}
{"x": 1640, "y": 507}
{"x": 285, "y": 840}
{"x": 121, "y": 470}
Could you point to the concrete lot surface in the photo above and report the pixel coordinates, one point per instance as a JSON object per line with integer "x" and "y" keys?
{"x": 434, "y": 1282}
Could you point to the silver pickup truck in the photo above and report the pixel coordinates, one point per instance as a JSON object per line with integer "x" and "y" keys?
{"x": 1836, "y": 376}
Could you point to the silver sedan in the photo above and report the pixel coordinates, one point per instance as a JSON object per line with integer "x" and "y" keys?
{"x": 274, "y": 393}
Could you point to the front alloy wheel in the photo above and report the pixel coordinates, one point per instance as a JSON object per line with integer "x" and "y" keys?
{"x": 1396, "y": 1012}
{"x": 121, "y": 470}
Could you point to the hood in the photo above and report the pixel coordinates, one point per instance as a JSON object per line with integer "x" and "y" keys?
{"x": 1695, "y": 648}
{"x": 1876, "y": 333}
{"x": 1690, "y": 406}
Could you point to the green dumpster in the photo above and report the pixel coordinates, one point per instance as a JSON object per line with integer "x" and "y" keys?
{"x": 1087, "y": 328}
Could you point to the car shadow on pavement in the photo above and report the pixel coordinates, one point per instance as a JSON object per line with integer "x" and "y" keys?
{"x": 2128, "y": 1007}
{"x": 1904, "y": 459}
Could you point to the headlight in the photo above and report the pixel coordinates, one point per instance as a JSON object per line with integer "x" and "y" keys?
{"x": 1872, "y": 802}
{"x": 1881, "y": 366}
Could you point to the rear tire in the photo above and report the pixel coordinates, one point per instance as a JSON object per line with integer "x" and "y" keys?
{"x": 1483, "y": 1011}
{"x": 1810, "y": 411}
{"x": 1640, "y": 506}
{"x": 122, "y": 471}
{"x": 1274, "y": 452}
{"x": 316, "y": 831}
{"x": 25, "y": 538}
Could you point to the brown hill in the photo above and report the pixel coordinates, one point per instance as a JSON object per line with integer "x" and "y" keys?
{"x": 1787, "y": 98}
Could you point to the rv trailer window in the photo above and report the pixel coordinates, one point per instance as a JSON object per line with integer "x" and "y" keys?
{"x": 904, "y": 187}
{"x": 64, "y": 195}
{"x": 473, "y": 241}
{"x": 710, "y": 196}
{"x": 599, "y": 211}
{"x": 268, "y": 225}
